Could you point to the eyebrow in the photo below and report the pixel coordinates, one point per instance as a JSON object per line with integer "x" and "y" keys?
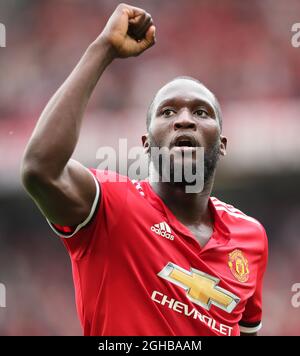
{"x": 179, "y": 102}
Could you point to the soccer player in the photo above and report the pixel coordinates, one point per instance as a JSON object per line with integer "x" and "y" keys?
{"x": 148, "y": 258}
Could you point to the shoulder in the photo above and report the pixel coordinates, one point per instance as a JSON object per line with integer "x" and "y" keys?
{"x": 234, "y": 217}
{"x": 112, "y": 183}
{"x": 106, "y": 176}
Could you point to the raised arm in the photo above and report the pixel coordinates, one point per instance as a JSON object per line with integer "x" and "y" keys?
{"x": 62, "y": 188}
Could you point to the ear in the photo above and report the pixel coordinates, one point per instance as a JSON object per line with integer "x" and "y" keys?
{"x": 145, "y": 142}
{"x": 223, "y": 145}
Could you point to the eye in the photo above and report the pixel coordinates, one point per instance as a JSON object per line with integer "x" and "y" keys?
{"x": 201, "y": 113}
{"x": 168, "y": 112}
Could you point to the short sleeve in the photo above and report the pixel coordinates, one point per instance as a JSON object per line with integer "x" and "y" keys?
{"x": 111, "y": 193}
{"x": 251, "y": 320}
{"x": 69, "y": 231}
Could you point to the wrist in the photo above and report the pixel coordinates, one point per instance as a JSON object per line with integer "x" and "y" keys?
{"x": 103, "y": 48}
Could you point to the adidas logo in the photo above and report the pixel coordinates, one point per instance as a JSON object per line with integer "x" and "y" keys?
{"x": 163, "y": 229}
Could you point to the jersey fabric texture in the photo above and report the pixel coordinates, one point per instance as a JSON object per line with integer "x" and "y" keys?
{"x": 138, "y": 271}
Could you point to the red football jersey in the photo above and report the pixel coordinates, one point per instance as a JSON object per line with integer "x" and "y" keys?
{"x": 138, "y": 271}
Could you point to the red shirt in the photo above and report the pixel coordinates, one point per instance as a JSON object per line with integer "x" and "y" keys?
{"x": 138, "y": 271}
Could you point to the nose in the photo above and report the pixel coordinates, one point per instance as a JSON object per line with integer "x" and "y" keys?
{"x": 184, "y": 120}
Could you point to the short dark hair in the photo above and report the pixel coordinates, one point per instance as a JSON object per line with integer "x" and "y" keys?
{"x": 218, "y": 107}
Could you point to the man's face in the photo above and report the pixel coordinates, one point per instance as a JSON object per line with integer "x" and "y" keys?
{"x": 184, "y": 117}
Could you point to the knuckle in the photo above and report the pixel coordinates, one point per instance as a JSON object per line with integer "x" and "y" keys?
{"x": 122, "y": 7}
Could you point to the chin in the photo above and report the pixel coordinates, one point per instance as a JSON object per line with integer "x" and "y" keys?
{"x": 184, "y": 172}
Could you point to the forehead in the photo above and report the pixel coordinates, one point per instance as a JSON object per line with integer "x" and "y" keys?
{"x": 186, "y": 90}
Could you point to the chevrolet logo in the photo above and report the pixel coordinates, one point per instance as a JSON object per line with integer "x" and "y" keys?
{"x": 201, "y": 288}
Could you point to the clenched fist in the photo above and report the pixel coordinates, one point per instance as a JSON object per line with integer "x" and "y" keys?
{"x": 129, "y": 31}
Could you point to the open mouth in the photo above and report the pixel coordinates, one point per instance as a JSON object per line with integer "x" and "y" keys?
{"x": 185, "y": 141}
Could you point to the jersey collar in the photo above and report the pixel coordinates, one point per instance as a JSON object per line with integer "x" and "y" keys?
{"x": 221, "y": 233}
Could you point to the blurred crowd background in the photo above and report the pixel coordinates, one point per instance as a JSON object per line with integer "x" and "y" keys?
{"x": 240, "y": 49}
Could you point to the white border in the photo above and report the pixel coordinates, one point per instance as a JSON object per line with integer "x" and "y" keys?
{"x": 249, "y": 330}
{"x": 87, "y": 220}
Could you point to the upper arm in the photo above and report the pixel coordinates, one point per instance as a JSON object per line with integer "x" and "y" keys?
{"x": 67, "y": 199}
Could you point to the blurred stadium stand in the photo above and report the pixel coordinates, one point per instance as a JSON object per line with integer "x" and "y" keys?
{"x": 241, "y": 50}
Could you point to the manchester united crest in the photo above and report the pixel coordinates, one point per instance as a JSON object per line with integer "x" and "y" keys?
{"x": 238, "y": 265}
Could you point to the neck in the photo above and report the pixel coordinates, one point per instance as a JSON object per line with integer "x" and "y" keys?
{"x": 189, "y": 208}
